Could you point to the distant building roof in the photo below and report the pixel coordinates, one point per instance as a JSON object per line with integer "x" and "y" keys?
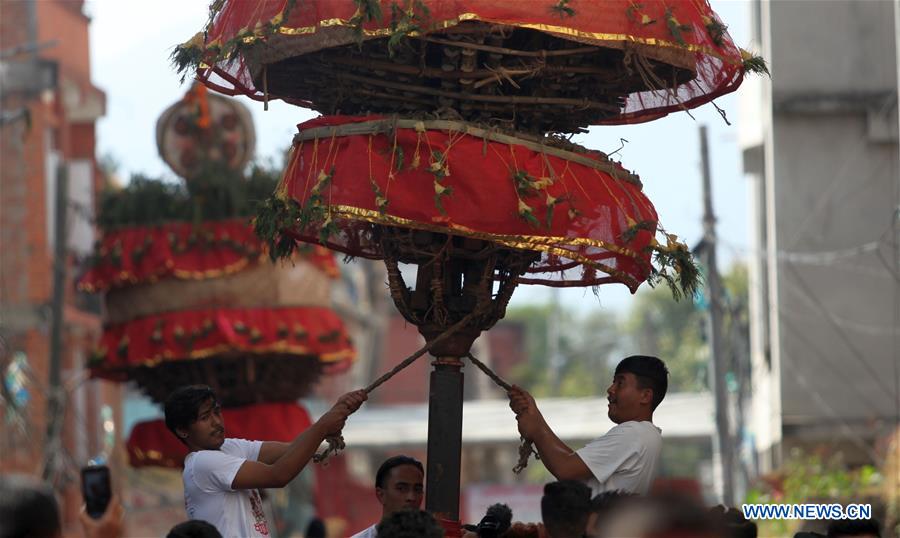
{"x": 687, "y": 415}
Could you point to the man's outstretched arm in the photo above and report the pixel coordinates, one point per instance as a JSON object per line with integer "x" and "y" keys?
{"x": 270, "y": 451}
{"x": 258, "y": 474}
{"x": 558, "y": 458}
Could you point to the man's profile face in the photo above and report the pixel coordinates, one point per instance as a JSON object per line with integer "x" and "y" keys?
{"x": 626, "y": 399}
{"x": 207, "y": 432}
{"x": 403, "y": 489}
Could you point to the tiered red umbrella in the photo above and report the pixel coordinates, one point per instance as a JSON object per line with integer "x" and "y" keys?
{"x": 192, "y": 301}
{"x": 192, "y": 304}
{"x": 436, "y": 152}
{"x": 556, "y": 64}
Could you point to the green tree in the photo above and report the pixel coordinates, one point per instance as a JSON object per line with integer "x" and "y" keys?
{"x": 672, "y": 330}
{"x": 816, "y": 478}
{"x": 585, "y": 344}
{"x": 676, "y": 330}
{"x": 591, "y": 345}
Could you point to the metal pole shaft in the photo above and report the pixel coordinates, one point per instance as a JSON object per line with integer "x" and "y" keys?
{"x": 54, "y": 405}
{"x": 444, "y": 438}
{"x": 715, "y": 328}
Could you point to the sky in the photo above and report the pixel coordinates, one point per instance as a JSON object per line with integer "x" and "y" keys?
{"x": 130, "y": 48}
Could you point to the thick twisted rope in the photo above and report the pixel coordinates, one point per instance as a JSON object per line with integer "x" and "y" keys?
{"x": 336, "y": 442}
{"x": 526, "y": 448}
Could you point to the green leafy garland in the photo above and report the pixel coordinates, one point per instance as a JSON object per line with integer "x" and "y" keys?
{"x": 563, "y": 9}
{"x": 217, "y": 192}
{"x": 274, "y": 217}
{"x": 715, "y": 29}
{"x": 754, "y": 63}
{"x": 412, "y": 17}
{"x": 278, "y": 214}
{"x": 189, "y": 56}
{"x": 405, "y": 21}
{"x": 672, "y": 264}
{"x": 676, "y": 28}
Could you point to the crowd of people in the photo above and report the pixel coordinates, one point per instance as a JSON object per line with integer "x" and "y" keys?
{"x": 601, "y": 489}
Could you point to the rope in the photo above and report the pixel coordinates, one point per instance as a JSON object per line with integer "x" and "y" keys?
{"x": 526, "y": 448}
{"x": 336, "y": 442}
{"x": 490, "y": 373}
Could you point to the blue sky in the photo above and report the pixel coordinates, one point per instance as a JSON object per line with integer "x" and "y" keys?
{"x": 130, "y": 47}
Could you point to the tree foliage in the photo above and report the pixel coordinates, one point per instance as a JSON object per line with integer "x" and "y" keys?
{"x": 677, "y": 331}
{"x": 585, "y": 346}
{"x": 591, "y": 345}
{"x": 815, "y": 477}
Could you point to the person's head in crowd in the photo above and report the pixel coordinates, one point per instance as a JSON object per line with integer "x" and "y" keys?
{"x": 194, "y": 416}
{"x": 565, "y": 508}
{"x": 495, "y": 522}
{"x": 639, "y": 385}
{"x": 399, "y": 484}
{"x": 315, "y": 529}
{"x": 667, "y": 516}
{"x": 194, "y": 528}
{"x": 27, "y": 508}
{"x": 732, "y": 522}
{"x": 409, "y": 523}
{"x": 854, "y": 528}
{"x": 602, "y": 505}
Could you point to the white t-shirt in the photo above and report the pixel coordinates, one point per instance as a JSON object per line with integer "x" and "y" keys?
{"x": 208, "y": 495}
{"x": 369, "y": 532}
{"x": 624, "y": 459}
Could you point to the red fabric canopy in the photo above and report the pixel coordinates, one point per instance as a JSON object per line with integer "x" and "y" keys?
{"x": 197, "y": 334}
{"x": 152, "y": 444}
{"x": 661, "y": 27}
{"x": 585, "y": 214}
{"x": 183, "y": 250}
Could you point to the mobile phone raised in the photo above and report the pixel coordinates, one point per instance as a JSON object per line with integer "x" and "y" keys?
{"x": 96, "y": 489}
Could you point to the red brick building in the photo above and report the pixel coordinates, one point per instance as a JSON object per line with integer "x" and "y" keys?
{"x": 49, "y": 109}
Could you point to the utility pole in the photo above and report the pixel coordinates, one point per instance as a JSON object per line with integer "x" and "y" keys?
{"x": 53, "y": 443}
{"x": 554, "y": 356}
{"x": 714, "y": 324}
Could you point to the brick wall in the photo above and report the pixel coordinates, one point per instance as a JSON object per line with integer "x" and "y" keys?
{"x": 26, "y": 262}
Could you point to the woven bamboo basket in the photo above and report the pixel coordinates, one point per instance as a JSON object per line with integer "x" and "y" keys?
{"x": 489, "y": 74}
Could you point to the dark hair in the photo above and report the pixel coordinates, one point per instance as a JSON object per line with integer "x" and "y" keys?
{"x": 195, "y": 528}
{"x": 853, "y": 527}
{"x": 732, "y": 522}
{"x": 315, "y": 529}
{"x": 395, "y": 461}
{"x": 495, "y": 522}
{"x": 183, "y": 404}
{"x": 651, "y": 373}
{"x": 565, "y": 508}
{"x": 27, "y": 508}
{"x": 409, "y": 524}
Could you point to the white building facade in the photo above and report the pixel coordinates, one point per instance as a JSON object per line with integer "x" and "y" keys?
{"x": 819, "y": 141}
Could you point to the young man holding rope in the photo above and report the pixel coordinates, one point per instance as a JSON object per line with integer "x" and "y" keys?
{"x": 624, "y": 459}
{"x": 221, "y": 476}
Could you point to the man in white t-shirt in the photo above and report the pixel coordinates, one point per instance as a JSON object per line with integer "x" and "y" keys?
{"x": 624, "y": 459}
{"x": 399, "y": 485}
{"x": 222, "y": 476}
